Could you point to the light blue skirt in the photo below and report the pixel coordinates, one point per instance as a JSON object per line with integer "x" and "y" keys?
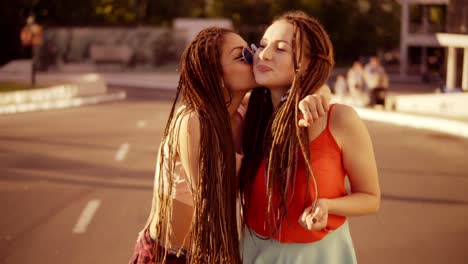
{"x": 337, "y": 247}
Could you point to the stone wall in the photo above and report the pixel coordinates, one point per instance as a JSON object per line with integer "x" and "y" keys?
{"x": 151, "y": 46}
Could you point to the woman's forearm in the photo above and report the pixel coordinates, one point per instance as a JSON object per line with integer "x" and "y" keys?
{"x": 354, "y": 204}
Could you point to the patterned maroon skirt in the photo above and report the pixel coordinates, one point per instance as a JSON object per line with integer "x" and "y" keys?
{"x": 144, "y": 252}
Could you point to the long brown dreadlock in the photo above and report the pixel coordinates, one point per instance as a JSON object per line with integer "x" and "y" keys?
{"x": 281, "y": 137}
{"x": 213, "y": 234}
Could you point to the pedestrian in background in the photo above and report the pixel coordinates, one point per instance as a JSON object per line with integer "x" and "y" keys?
{"x": 376, "y": 80}
{"x": 340, "y": 87}
{"x": 355, "y": 79}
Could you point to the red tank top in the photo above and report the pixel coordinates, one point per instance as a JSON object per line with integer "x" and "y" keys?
{"x": 327, "y": 165}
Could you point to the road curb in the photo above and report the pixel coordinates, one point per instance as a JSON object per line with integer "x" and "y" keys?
{"x": 75, "y": 91}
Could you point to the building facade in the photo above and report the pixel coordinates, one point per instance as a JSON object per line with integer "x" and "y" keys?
{"x": 438, "y": 26}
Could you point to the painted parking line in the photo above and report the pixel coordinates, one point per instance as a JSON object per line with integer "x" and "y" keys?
{"x": 86, "y": 216}
{"x": 122, "y": 152}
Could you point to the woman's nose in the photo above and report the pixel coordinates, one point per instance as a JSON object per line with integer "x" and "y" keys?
{"x": 265, "y": 53}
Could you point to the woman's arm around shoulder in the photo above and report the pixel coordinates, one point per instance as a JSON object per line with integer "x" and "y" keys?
{"x": 314, "y": 106}
{"x": 359, "y": 162}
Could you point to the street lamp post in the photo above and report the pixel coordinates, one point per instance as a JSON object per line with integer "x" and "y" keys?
{"x": 31, "y": 36}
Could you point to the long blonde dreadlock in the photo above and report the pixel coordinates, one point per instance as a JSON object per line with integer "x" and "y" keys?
{"x": 313, "y": 61}
{"x": 213, "y": 234}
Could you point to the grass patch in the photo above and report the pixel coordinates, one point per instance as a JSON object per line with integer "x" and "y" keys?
{"x": 12, "y": 86}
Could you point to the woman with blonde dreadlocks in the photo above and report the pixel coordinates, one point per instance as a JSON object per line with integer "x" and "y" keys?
{"x": 292, "y": 179}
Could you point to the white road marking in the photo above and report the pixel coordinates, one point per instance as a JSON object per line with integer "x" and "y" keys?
{"x": 122, "y": 152}
{"x": 86, "y": 216}
{"x": 141, "y": 123}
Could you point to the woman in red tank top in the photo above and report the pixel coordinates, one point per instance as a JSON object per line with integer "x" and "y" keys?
{"x": 292, "y": 178}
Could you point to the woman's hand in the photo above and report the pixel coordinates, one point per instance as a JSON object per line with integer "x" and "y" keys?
{"x": 317, "y": 220}
{"x": 313, "y": 107}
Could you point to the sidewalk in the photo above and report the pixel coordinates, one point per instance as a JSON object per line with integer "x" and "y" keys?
{"x": 168, "y": 81}
{"x": 453, "y": 126}
{"x": 414, "y": 104}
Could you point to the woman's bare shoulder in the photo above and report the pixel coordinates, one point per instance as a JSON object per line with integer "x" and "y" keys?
{"x": 343, "y": 115}
{"x": 189, "y": 121}
{"x": 344, "y": 119}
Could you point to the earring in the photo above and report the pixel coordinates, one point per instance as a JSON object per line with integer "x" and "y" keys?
{"x": 298, "y": 67}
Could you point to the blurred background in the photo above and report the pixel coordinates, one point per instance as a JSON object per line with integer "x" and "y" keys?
{"x": 85, "y": 91}
{"x": 70, "y": 27}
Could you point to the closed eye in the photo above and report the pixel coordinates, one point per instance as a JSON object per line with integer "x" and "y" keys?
{"x": 281, "y": 46}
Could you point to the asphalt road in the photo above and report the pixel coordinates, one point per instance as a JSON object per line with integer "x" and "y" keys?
{"x": 75, "y": 186}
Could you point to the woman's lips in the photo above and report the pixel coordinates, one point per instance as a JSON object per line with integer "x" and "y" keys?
{"x": 263, "y": 68}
